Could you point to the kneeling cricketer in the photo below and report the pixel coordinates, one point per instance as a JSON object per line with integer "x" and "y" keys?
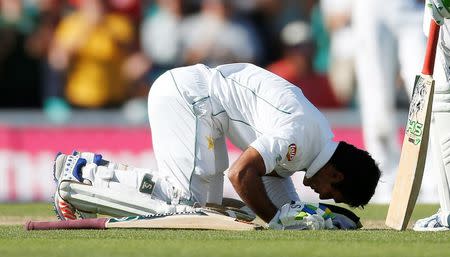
{"x": 192, "y": 110}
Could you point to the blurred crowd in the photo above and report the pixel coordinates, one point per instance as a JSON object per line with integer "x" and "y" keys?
{"x": 88, "y": 54}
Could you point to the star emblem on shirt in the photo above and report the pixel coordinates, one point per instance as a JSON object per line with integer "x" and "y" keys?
{"x": 210, "y": 140}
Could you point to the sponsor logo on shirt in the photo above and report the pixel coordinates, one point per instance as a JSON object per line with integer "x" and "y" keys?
{"x": 292, "y": 150}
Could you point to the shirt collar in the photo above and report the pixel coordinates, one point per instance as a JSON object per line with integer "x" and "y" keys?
{"x": 322, "y": 158}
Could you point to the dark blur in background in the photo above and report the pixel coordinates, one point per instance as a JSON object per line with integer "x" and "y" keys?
{"x": 59, "y": 56}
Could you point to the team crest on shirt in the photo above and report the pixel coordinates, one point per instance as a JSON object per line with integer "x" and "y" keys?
{"x": 292, "y": 151}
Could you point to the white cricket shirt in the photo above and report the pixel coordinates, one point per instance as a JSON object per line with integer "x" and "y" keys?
{"x": 254, "y": 107}
{"x": 259, "y": 109}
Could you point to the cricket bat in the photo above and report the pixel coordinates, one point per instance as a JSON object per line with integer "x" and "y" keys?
{"x": 200, "y": 220}
{"x": 415, "y": 143}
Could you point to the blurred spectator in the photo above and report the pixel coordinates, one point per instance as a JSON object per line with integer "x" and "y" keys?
{"x": 390, "y": 36}
{"x": 138, "y": 64}
{"x": 337, "y": 16}
{"x": 214, "y": 36}
{"x": 160, "y": 35}
{"x": 296, "y": 66}
{"x": 92, "y": 45}
{"x": 321, "y": 39}
{"x": 269, "y": 17}
{"x": 265, "y": 15}
{"x": 90, "y": 56}
{"x": 20, "y": 80}
{"x": 50, "y": 13}
{"x": 130, "y": 8}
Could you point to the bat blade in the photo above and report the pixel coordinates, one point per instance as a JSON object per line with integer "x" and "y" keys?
{"x": 200, "y": 219}
{"x": 203, "y": 220}
{"x": 414, "y": 150}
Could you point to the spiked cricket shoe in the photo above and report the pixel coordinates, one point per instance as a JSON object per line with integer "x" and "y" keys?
{"x": 436, "y": 222}
{"x": 67, "y": 168}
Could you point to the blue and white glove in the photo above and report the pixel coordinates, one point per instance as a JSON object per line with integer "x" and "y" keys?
{"x": 302, "y": 216}
{"x": 438, "y": 10}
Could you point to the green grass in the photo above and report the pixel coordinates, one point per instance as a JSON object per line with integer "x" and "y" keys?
{"x": 15, "y": 241}
{"x": 23, "y": 210}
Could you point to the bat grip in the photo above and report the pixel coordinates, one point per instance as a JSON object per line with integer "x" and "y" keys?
{"x": 67, "y": 224}
{"x": 430, "y": 54}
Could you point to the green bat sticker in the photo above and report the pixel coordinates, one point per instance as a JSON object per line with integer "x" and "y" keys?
{"x": 414, "y": 127}
{"x": 414, "y": 130}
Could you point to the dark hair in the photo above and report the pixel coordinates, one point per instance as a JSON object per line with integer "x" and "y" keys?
{"x": 361, "y": 174}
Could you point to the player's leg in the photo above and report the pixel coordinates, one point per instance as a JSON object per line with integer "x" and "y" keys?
{"x": 186, "y": 142}
{"x": 108, "y": 188}
{"x": 173, "y": 126}
{"x": 441, "y": 114}
{"x": 375, "y": 67}
{"x": 411, "y": 45}
{"x": 440, "y": 135}
{"x": 411, "y": 49}
{"x": 215, "y": 191}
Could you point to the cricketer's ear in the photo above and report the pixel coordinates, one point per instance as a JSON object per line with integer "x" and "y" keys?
{"x": 329, "y": 173}
{"x": 334, "y": 174}
{"x": 326, "y": 174}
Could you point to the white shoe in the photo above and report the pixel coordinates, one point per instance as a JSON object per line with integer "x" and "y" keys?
{"x": 436, "y": 222}
{"x": 67, "y": 167}
{"x": 91, "y": 157}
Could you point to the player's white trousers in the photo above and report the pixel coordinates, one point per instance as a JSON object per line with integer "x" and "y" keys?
{"x": 389, "y": 39}
{"x": 188, "y": 136}
{"x": 114, "y": 189}
{"x": 440, "y": 133}
{"x": 188, "y": 143}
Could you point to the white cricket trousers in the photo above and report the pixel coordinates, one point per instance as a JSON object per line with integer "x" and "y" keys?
{"x": 189, "y": 141}
{"x": 390, "y": 41}
{"x": 188, "y": 144}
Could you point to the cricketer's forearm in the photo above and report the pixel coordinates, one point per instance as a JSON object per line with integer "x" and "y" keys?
{"x": 245, "y": 176}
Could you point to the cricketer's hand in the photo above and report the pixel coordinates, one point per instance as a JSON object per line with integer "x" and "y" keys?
{"x": 302, "y": 216}
{"x": 438, "y": 10}
{"x": 340, "y": 221}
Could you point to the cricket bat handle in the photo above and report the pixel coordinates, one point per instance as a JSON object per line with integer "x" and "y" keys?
{"x": 67, "y": 224}
{"x": 430, "y": 54}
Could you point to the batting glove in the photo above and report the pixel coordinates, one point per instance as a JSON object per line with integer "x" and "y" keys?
{"x": 438, "y": 10}
{"x": 341, "y": 221}
{"x": 302, "y": 216}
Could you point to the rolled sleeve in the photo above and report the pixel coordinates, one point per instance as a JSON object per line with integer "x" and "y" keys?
{"x": 270, "y": 148}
